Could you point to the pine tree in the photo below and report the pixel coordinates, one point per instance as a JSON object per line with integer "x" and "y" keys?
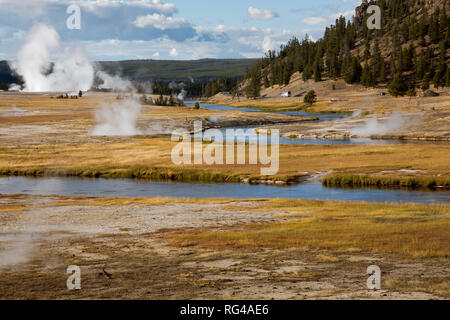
{"x": 447, "y": 77}
{"x": 367, "y": 78}
{"x": 433, "y": 30}
{"x": 397, "y": 86}
{"x": 310, "y": 97}
{"x": 353, "y": 74}
{"x": 266, "y": 81}
{"x": 443, "y": 20}
{"x": 317, "y": 71}
{"x": 425, "y": 83}
{"x": 253, "y": 89}
{"x": 382, "y": 77}
{"x": 411, "y": 92}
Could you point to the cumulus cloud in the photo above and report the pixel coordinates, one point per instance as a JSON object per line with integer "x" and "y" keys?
{"x": 261, "y": 14}
{"x": 314, "y": 21}
{"x": 97, "y": 6}
{"x": 160, "y": 21}
{"x": 173, "y": 52}
{"x": 141, "y": 29}
{"x": 122, "y": 20}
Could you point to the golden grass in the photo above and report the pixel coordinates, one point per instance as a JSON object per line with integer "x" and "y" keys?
{"x": 9, "y": 208}
{"x": 105, "y": 202}
{"x": 129, "y": 158}
{"x": 392, "y": 180}
{"x": 416, "y": 231}
{"x": 439, "y": 286}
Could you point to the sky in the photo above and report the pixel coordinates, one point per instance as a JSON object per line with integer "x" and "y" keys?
{"x": 170, "y": 29}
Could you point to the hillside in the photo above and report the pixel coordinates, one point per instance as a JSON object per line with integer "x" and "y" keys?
{"x": 159, "y": 70}
{"x": 410, "y": 51}
{"x": 168, "y": 70}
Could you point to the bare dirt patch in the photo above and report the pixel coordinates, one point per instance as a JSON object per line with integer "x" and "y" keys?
{"x": 123, "y": 253}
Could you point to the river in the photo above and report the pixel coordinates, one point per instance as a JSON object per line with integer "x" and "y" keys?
{"x": 149, "y": 189}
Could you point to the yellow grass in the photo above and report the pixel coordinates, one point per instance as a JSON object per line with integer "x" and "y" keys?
{"x": 8, "y": 208}
{"x": 416, "y": 231}
{"x": 439, "y": 286}
{"x": 103, "y": 158}
{"x": 105, "y": 202}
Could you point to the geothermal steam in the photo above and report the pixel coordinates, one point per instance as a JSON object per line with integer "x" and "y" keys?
{"x": 117, "y": 118}
{"x": 115, "y": 83}
{"x": 72, "y": 73}
{"x": 374, "y": 126}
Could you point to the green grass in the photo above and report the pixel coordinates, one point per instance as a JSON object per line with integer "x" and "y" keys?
{"x": 156, "y": 174}
{"x": 359, "y": 180}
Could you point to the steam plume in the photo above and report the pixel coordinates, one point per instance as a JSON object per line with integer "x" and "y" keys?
{"x": 72, "y": 73}
{"x": 115, "y": 83}
{"x": 374, "y": 126}
{"x": 117, "y": 118}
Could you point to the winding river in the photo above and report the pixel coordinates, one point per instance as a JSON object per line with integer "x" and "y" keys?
{"x": 320, "y": 116}
{"x": 150, "y": 189}
{"x": 140, "y": 188}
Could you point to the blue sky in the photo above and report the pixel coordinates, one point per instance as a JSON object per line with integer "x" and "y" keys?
{"x": 171, "y": 29}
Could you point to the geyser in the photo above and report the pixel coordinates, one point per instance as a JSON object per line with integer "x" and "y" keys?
{"x": 72, "y": 73}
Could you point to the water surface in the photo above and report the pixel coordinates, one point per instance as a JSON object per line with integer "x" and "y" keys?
{"x": 149, "y": 189}
{"x": 321, "y": 116}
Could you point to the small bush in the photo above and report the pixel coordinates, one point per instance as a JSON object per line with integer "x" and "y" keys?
{"x": 310, "y": 97}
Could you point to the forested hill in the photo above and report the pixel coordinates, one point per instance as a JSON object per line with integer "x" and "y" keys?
{"x": 159, "y": 70}
{"x": 410, "y": 51}
{"x": 176, "y": 70}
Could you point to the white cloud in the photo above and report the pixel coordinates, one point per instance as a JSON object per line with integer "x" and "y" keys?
{"x": 100, "y": 19}
{"x": 322, "y": 21}
{"x": 314, "y": 21}
{"x": 148, "y": 28}
{"x": 97, "y": 6}
{"x": 128, "y": 50}
{"x": 261, "y": 14}
{"x": 160, "y": 21}
{"x": 346, "y": 14}
{"x": 354, "y": 2}
{"x": 173, "y": 52}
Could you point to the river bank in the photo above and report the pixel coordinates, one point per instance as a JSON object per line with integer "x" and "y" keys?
{"x": 49, "y": 137}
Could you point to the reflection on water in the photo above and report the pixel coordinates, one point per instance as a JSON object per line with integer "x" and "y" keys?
{"x": 284, "y": 140}
{"x": 143, "y": 188}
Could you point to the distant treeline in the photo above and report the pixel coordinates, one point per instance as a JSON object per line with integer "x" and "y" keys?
{"x": 175, "y": 70}
{"x": 192, "y": 89}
